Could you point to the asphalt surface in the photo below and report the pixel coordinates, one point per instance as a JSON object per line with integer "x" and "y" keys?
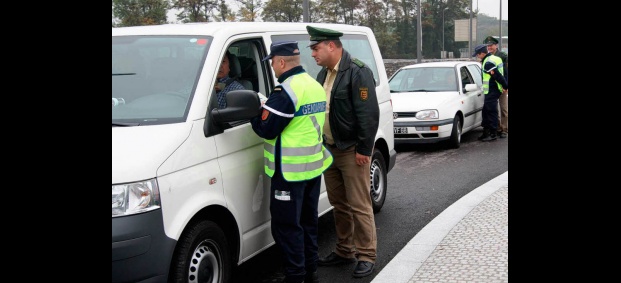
{"x": 467, "y": 242}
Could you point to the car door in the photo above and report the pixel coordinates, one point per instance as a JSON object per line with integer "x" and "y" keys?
{"x": 240, "y": 152}
{"x": 474, "y": 69}
{"x": 472, "y": 107}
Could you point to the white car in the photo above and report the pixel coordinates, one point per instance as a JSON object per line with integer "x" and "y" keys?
{"x": 436, "y": 101}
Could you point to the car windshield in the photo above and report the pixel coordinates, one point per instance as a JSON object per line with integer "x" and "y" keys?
{"x": 153, "y": 77}
{"x": 428, "y": 79}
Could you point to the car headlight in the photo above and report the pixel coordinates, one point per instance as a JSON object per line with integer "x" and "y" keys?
{"x": 135, "y": 198}
{"x": 427, "y": 114}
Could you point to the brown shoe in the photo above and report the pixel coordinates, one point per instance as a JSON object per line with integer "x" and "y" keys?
{"x": 334, "y": 259}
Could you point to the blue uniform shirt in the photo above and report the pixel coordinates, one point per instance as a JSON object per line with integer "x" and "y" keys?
{"x": 273, "y": 124}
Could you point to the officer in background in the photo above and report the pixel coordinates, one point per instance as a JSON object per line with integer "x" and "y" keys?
{"x": 291, "y": 125}
{"x": 503, "y": 100}
{"x": 494, "y": 84}
{"x": 352, "y": 119}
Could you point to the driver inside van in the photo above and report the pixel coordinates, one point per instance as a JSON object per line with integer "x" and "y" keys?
{"x": 225, "y": 83}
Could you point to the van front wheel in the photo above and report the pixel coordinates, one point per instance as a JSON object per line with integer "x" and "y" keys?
{"x": 201, "y": 256}
{"x": 378, "y": 180}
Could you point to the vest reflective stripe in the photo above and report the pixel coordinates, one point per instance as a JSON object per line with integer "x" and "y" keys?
{"x": 486, "y": 76}
{"x": 302, "y": 153}
{"x": 304, "y": 167}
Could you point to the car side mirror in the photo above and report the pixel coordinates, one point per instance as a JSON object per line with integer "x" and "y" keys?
{"x": 471, "y": 87}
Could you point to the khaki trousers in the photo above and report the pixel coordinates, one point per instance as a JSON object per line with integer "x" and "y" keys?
{"x": 503, "y": 113}
{"x": 348, "y": 187}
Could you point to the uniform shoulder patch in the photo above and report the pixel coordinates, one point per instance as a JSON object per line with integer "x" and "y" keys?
{"x": 265, "y": 114}
{"x": 358, "y": 62}
{"x": 364, "y": 93}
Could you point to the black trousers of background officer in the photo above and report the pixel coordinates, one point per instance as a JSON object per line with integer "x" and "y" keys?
{"x": 490, "y": 112}
{"x": 294, "y": 224}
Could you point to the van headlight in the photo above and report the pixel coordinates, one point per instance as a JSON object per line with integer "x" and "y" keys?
{"x": 135, "y": 198}
{"x": 427, "y": 114}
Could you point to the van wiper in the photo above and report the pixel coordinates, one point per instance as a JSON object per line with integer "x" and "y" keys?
{"x": 125, "y": 124}
{"x": 123, "y": 74}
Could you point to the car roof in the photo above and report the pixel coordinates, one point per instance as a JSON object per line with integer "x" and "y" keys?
{"x": 439, "y": 64}
{"x": 219, "y": 28}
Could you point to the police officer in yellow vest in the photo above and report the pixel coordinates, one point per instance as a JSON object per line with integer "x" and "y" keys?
{"x": 291, "y": 125}
{"x": 503, "y": 101}
{"x": 493, "y": 85}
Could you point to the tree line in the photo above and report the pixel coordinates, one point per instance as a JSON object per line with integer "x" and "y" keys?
{"x": 394, "y": 22}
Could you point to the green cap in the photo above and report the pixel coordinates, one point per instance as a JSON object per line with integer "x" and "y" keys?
{"x": 320, "y": 34}
{"x": 490, "y": 40}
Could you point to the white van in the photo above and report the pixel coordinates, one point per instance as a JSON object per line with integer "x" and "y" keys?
{"x": 190, "y": 200}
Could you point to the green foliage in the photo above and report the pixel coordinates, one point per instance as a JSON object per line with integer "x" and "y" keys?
{"x": 196, "y": 10}
{"x": 282, "y": 11}
{"x": 249, "y": 10}
{"x": 392, "y": 21}
{"x": 140, "y": 12}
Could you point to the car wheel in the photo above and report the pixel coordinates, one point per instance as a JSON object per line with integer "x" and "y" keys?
{"x": 202, "y": 255}
{"x": 455, "y": 139}
{"x": 378, "y": 180}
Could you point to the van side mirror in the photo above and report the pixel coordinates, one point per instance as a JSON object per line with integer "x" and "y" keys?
{"x": 240, "y": 105}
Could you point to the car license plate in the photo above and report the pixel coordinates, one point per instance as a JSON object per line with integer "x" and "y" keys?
{"x": 400, "y": 130}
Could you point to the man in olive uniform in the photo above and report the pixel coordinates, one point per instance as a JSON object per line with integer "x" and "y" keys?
{"x": 352, "y": 119}
{"x": 503, "y": 100}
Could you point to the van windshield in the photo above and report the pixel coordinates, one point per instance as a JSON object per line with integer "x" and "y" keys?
{"x": 154, "y": 77}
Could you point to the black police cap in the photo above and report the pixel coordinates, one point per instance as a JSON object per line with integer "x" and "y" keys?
{"x": 482, "y": 48}
{"x": 283, "y": 48}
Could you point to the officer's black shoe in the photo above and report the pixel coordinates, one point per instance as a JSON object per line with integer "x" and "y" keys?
{"x": 363, "y": 269}
{"x": 334, "y": 259}
{"x": 311, "y": 277}
{"x": 502, "y": 135}
{"x": 490, "y": 137}
{"x": 484, "y": 135}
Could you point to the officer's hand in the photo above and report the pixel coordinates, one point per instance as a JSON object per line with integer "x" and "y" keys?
{"x": 362, "y": 159}
{"x": 262, "y": 98}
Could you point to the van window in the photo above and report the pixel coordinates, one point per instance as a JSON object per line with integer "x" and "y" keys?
{"x": 153, "y": 77}
{"x": 357, "y": 45}
{"x": 247, "y": 54}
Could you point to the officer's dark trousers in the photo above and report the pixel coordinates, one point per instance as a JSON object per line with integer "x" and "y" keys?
{"x": 490, "y": 111}
{"x": 293, "y": 206}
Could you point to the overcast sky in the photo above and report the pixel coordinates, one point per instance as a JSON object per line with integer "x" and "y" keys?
{"x": 492, "y": 8}
{"x": 488, "y": 7}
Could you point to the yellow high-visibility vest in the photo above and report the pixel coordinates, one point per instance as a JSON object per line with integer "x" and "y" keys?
{"x": 303, "y": 155}
{"x": 486, "y": 76}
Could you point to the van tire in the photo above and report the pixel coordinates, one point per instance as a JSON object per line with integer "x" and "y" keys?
{"x": 379, "y": 181}
{"x": 202, "y": 255}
